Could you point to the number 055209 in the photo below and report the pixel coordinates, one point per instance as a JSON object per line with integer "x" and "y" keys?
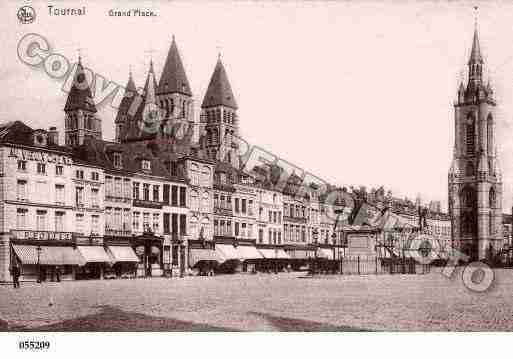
{"x": 33, "y": 345}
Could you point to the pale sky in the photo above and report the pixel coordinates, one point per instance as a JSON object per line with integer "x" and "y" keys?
{"x": 356, "y": 93}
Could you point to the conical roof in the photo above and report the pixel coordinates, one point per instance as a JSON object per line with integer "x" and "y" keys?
{"x": 128, "y": 98}
{"x": 173, "y": 78}
{"x": 475, "y": 54}
{"x": 80, "y": 97}
{"x": 219, "y": 91}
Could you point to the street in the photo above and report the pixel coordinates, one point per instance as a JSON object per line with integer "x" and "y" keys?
{"x": 261, "y": 302}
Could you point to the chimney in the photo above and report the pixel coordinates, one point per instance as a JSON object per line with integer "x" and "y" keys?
{"x": 53, "y": 136}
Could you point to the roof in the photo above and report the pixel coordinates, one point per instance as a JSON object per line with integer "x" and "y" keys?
{"x": 475, "y": 54}
{"x": 128, "y": 98}
{"x": 79, "y": 97}
{"x": 173, "y": 78}
{"x": 219, "y": 91}
{"x": 16, "y": 132}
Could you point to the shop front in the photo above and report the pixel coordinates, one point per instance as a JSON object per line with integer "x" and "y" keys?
{"x": 149, "y": 250}
{"x": 97, "y": 261}
{"x": 124, "y": 261}
{"x": 45, "y": 262}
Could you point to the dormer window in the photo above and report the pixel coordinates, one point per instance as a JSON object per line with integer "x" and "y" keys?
{"x": 40, "y": 138}
{"x": 117, "y": 160}
{"x": 146, "y": 165}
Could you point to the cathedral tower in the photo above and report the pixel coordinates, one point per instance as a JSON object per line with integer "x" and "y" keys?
{"x": 123, "y": 115}
{"x": 174, "y": 94}
{"x": 80, "y": 119}
{"x": 475, "y": 187}
{"x": 219, "y": 118}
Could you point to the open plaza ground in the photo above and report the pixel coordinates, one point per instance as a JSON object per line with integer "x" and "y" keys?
{"x": 261, "y": 302}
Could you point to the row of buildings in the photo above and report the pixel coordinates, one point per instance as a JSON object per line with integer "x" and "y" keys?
{"x": 168, "y": 194}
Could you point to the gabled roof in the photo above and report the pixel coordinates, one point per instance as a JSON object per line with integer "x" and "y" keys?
{"x": 16, "y": 132}
{"x": 79, "y": 97}
{"x": 219, "y": 91}
{"x": 173, "y": 78}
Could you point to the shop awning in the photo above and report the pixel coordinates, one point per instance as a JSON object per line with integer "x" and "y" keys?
{"x": 274, "y": 253}
{"x": 122, "y": 254}
{"x": 94, "y": 254}
{"x": 48, "y": 255}
{"x": 282, "y": 254}
{"x": 249, "y": 252}
{"x": 325, "y": 253}
{"x": 197, "y": 255}
{"x": 301, "y": 254}
{"x": 227, "y": 252}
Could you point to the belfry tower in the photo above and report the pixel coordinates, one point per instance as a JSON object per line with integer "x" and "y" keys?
{"x": 219, "y": 118}
{"x": 81, "y": 118}
{"x": 475, "y": 186}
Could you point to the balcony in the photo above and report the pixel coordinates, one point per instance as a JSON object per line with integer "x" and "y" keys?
{"x": 118, "y": 199}
{"x": 294, "y": 219}
{"x": 146, "y": 203}
{"x": 224, "y": 211}
{"x": 117, "y": 232}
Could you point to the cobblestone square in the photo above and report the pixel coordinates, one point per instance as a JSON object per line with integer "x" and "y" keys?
{"x": 262, "y": 302}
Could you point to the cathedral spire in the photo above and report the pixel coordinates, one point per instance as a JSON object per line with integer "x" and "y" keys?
{"x": 173, "y": 78}
{"x": 80, "y": 97}
{"x": 219, "y": 91}
{"x": 475, "y": 62}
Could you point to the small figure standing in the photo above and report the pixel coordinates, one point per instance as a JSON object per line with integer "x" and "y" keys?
{"x": 58, "y": 273}
{"x": 15, "y": 271}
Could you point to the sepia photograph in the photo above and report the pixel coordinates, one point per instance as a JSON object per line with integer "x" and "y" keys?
{"x": 255, "y": 166}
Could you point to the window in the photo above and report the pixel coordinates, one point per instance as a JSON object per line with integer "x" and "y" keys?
{"x": 156, "y": 190}
{"x": 216, "y": 227}
{"x": 58, "y": 170}
{"x": 270, "y": 216}
{"x": 228, "y": 202}
{"x": 117, "y": 160}
{"x": 79, "y": 196}
{"x": 136, "y": 190}
{"x": 236, "y": 229}
{"x": 41, "y": 220}
{"x": 270, "y": 236}
{"x": 493, "y": 198}
{"x": 228, "y": 228}
{"x": 174, "y": 196}
{"x": 79, "y": 223}
{"x": 250, "y": 207}
{"x": 489, "y": 131}
{"x": 117, "y": 219}
{"x": 174, "y": 223}
{"x": 250, "y": 231}
{"x": 279, "y": 237}
{"x": 79, "y": 174}
{"x": 243, "y": 205}
{"x": 21, "y": 218}
{"x": 469, "y": 134}
{"x": 95, "y": 198}
{"x": 183, "y": 202}
{"x": 156, "y": 222}
{"x": 21, "y": 190}
{"x": 194, "y": 201}
{"x": 146, "y": 222}
{"x": 95, "y": 224}
{"x": 126, "y": 188}
{"x": 59, "y": 194}
{"x": 126, "y": 220}
{"x": 183, "y": 224}
{"x": 165, "y": 195}
{"x": 275, "y": 217}
{"x": 95, "y": 176}
{"x": 205, "y": 202}
{"x": 167, "y": 223}
{"x": 469, "y": 170}
{"x": 41, "y": 168}
{"x": 146, "y": 165}
{"x": 260, "y": 236}
{"x": 236, "y": 205}
{"x": 22, "y": 165}
{"x": 216, "y": 200}
{"x": 136, "y": 221}
{"x": 146, "y": 191}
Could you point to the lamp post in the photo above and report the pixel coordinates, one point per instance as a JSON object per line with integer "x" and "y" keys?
{"x": 314, "y": 264}
{"x": 339, "y": 210}
{"x": 38, "y": 249}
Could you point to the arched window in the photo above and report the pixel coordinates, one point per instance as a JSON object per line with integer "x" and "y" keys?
{"x": 489, "y": 133}
{"x": 209, "y": 137}
{"x": 468, "y": 197}
{"x": 469, "y": 170}
{"x": 469, "y": 134}
{"x": 467, "y": 223}
{"x": 215, "y": 136}
{"x": 195, "y": 174}
{"x": 493, "y": 198}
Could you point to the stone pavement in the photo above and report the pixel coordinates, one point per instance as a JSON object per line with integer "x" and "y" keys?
{"x": 262, "y": 302}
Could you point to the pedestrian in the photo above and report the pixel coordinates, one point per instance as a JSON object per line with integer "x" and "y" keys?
{"x": 15, "y": 271}
{"x": 58, "y": 273}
